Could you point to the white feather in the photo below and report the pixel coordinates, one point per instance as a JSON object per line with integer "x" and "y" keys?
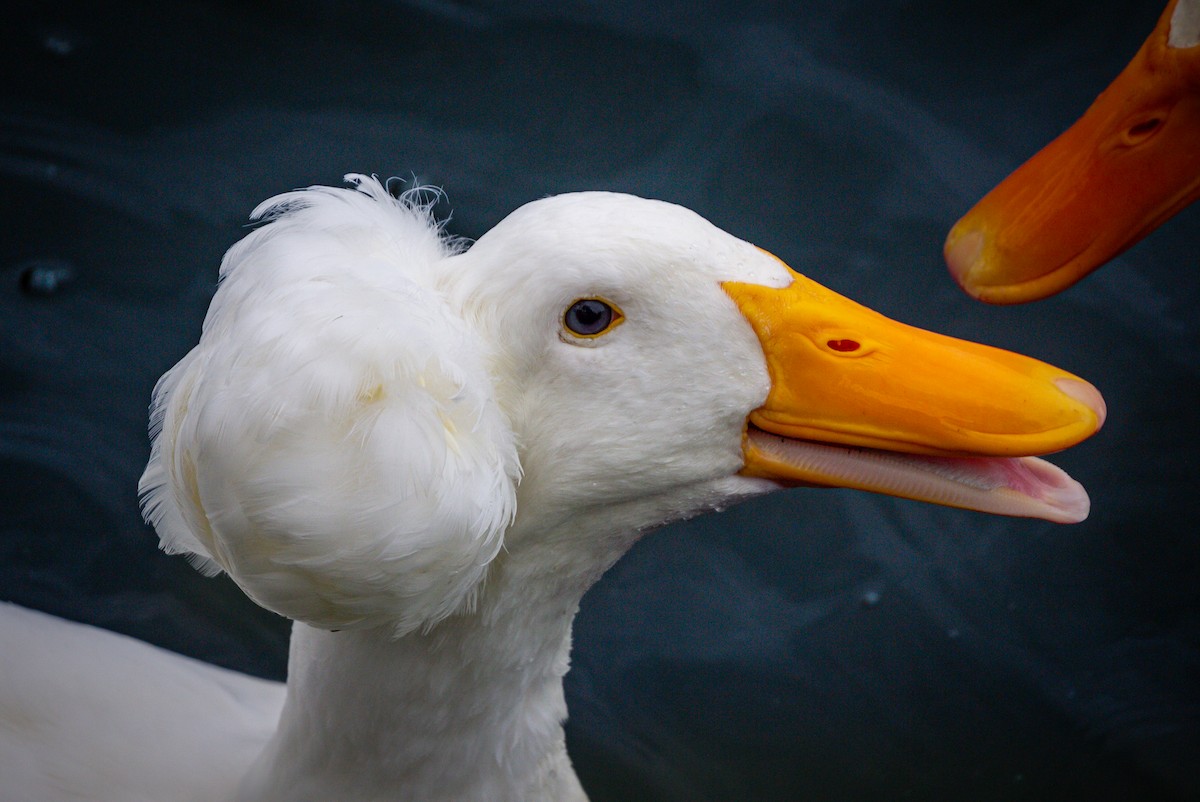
{"x": 343, "y": 457}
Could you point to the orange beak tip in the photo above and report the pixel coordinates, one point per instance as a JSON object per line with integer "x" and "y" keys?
{"x": 1086, "y": 394}
{"x": 967, "y": 256}
{"x": 962, "y": 252}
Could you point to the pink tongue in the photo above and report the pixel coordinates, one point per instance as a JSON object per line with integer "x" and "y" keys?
{"x": 1022, "y": 486}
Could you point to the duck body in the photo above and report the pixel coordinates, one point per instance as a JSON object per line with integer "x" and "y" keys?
{"x": 90, "y": 714}
{"x": 425, "y": 455}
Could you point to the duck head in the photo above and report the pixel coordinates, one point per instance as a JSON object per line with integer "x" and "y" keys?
{"x": 770, "y": 374}
{"x": 1129, "y": 164}
{"x": 373, "y": 412}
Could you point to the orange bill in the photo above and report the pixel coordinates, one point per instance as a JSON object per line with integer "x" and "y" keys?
{"x": 1129, "y": 164}
{"x": 859, "y": 400}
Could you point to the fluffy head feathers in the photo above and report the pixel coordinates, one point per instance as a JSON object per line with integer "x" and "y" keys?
{"x": 332, "y": 441}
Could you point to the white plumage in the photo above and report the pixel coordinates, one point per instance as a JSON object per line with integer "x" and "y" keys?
{"x": 402, "y": 445}
{"x": 329, "y": 331}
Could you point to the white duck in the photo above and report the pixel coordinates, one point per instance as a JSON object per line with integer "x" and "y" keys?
{"x": 425, "y": 456}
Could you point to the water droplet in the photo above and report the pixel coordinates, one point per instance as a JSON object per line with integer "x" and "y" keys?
{"x": 59, "y": 44}
{"x": 44, "y": 277}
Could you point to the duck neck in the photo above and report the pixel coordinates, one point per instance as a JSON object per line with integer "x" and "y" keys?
{"x": 472, "y": 709}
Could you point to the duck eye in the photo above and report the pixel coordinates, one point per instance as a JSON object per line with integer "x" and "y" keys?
{"x": 590, "y": 317}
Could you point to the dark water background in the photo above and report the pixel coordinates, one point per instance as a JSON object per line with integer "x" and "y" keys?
{"x": 817, "y": 645}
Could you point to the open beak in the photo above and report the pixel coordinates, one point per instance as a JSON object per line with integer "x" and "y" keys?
{"x": 859, "y": 400}
{"x": 1129, "y": 164}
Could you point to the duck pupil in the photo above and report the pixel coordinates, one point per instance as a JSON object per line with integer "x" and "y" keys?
{"x": 589, "y": 317}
